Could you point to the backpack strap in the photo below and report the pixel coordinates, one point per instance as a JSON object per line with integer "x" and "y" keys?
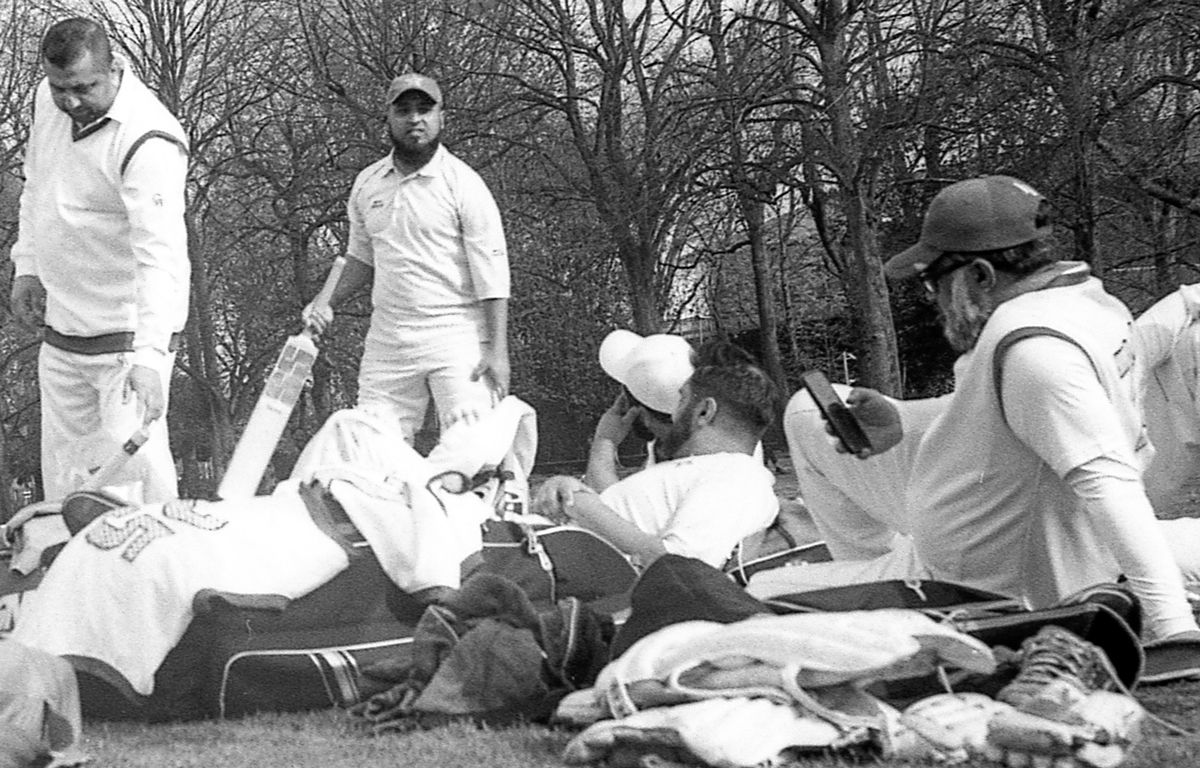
{"x": 1012, "y": 338}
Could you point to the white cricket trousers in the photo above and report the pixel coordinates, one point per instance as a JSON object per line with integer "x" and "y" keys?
{"x": 401, "y": 371}
{"x": 86, "y": 418}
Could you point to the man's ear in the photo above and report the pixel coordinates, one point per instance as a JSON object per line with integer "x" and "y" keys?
{"x": 983, "y": 272}
{"x": 706, "y": 411}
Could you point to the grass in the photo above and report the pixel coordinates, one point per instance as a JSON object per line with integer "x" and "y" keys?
{"x": 328, "y": 739}
{"x": 332, "y": 739}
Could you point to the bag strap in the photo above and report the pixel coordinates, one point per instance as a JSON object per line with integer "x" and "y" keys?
{"x": 1006, "y": 343}
{"x": 533, "y": 545}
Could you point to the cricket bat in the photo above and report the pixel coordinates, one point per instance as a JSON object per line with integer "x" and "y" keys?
{"x": 274, "y": 407}
{"x": 103, "y": 474}
{"x": 97, "y": 479}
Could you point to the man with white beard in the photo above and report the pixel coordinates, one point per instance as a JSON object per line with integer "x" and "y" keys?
{"x": 1029, "y": 481}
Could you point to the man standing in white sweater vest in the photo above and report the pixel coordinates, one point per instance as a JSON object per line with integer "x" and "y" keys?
{"x": 101, "y": 259}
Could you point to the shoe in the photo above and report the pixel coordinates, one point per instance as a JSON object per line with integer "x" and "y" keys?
{"x": 1058, "y": 656}
{"x": 1173, "y": 658}
{"x": 1116, "y": 597}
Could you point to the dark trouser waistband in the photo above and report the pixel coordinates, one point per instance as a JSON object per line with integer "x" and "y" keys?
{"x": 104, "y": 344}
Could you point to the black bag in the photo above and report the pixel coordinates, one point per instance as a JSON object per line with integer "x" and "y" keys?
{"x": 1106, "y": 615}
{"x": 234, "y": 661}
{"x": 550, "y": 563}
{"x": 675, "y": 589}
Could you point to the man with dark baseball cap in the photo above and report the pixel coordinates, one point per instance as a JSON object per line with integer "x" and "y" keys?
{"x": 414, "y": 81}
{"x": 1029, "y": 481}
{"x": 984, "y": 214}
{"x": 426, "y": 235}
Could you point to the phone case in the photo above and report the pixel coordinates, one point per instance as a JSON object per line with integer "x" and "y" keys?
{"x": 844, "y": 424}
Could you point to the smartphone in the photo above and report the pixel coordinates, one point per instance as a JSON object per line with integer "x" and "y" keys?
{"x": 844, "y": 424}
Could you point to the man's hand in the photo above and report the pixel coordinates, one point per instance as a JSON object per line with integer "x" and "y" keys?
{"x": 878, "y": 416}
{"x": 494, "y": 366}
{"x": 555, "y": 497}
{"x": 318, "y": 315}
{"x": 616, "y": 422}
{"x": 144, "y": 383}
{"x": 28, "y": 301}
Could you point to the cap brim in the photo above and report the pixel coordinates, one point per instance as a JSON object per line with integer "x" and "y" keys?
{"x": 418, "y": 89}
{"x": 911, "y": 262}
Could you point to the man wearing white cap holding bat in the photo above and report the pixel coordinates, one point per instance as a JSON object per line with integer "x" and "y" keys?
{"x": 426, "y": 235}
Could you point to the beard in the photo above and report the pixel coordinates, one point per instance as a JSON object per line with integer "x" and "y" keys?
{"x": 414, "y": 156}
{"x": 671, "y": 445}
{"x": 968, "y": 312}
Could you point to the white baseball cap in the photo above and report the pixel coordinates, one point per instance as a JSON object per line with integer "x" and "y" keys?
{"x": 653, "y": 368}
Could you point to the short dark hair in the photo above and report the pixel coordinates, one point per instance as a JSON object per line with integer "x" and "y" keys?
{"x": 68, "y": 40}
{"x": 731, "y": 376}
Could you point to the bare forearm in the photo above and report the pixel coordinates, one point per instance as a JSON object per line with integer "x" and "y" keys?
{"x": 355, "y": 275}
{"x": 590, "y": 512}
{"x": 495, "y": 313}
{"x": 602, "y": 464}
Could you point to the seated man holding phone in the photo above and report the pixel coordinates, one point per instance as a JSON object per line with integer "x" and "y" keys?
{"x": 853, "y": 503}
{"x": 1028, "y": 482}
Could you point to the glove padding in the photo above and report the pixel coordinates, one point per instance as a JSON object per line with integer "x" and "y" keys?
{"x": 783, "y": 658}
{"x": 1095, "y": 730}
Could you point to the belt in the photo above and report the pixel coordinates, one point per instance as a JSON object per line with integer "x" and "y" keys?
{"x": 329, "y": 515}
{"x": 104, "y": 344}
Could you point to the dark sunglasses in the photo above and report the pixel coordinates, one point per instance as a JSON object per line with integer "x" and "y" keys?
{"x": 942, "y": 266}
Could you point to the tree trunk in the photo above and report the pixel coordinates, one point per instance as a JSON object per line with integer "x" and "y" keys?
{"x": 768, "y": 320}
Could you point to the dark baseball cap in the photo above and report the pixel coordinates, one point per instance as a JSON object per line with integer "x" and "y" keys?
{"x": 414, "y": 81}
{"x": 989, "y": 213}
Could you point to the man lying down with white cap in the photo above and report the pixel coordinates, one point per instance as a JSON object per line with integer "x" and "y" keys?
{"x": 713, "y": 491}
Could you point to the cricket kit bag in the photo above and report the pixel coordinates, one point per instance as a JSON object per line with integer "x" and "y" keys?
{"x": 341, "y": 644}
{"x": 550, "y": 562}
{"x": 676, "y": 589}
{"x": 317, "y": 652}
{"x": 255, "y": 652}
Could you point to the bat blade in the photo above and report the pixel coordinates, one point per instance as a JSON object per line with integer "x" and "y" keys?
{"x": 270, "y": 416}
{"x": 274, "y": 407}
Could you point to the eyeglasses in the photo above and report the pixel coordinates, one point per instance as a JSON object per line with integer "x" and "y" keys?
{"x": 942, "y": 266}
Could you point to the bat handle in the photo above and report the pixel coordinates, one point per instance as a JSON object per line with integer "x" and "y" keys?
{"x": 325, "y": 295}
{"x": 106, "y": 471}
